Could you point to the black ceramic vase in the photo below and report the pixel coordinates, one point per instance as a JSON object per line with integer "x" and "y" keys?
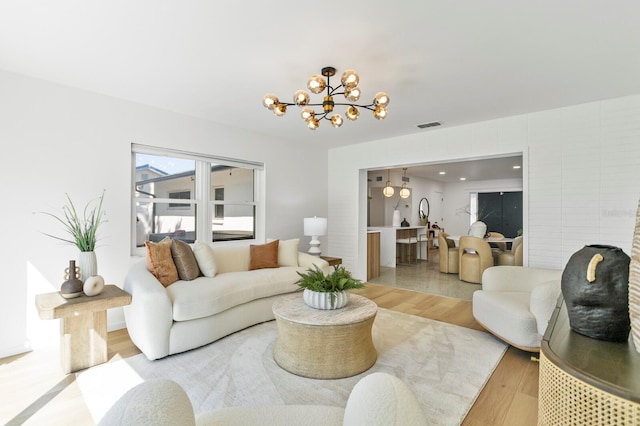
{"x": 595, "y": 288}
{"x": 72, "y": 287}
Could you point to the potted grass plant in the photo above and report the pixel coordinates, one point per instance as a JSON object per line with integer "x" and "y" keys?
{"x": 327, "y": 291}
{"x": 82, "y": 230}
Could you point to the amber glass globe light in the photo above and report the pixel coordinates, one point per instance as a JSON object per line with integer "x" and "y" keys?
{"x": 301, "y": 98}
{"x": 316, "y": 84}
{"x": 381, "y": 99}
{"x": 307, "y": 113}
{"x": 352, "y": 113}
{"x": 380, "y": 113}
{"x": 350, "y": 79}
{"x": 280, "y": 109}
{"x": 270, "y": 101}
{"x": 313, "y": 123}
{"x": 336, "y": 120}
{"x": 353, "y": 94}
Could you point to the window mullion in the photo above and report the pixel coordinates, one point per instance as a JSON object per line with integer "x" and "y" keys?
{"x": 203, "y": 205}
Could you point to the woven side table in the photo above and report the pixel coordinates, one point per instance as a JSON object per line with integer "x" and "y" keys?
{"x": 324, "y": 344}
{"x": 584, "y": 381}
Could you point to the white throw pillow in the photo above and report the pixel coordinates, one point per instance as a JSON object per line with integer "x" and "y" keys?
{"x": 205, "y": 259}
{"x": 288, "y": 252}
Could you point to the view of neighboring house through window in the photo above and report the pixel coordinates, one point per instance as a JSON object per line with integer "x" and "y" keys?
{"x": 189, "y": 196}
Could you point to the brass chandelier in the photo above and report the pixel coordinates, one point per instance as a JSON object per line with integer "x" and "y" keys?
{"x": 317, "y": 84}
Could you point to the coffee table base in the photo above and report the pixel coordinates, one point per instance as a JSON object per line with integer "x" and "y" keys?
{"x": 327, "y": 351}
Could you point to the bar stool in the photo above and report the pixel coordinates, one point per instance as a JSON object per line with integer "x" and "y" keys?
{"x": 406, "y": 250}
{"x": 424, "y": 239}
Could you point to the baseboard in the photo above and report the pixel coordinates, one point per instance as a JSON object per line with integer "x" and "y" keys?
{"x": 16, "y": 350}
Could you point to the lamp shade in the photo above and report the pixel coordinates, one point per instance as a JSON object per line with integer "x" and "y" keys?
{"x": 315, "y": 226}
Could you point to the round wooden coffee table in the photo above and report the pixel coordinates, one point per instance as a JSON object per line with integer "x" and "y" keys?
{"x": 324, "y": 344}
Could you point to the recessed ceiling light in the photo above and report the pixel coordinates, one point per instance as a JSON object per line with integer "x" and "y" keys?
{"x": 463, "y": 178}
{"x": 442, "y": 173}
{"x": 516, "y": 167}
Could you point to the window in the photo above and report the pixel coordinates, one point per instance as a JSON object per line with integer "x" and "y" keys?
{"x": 180, "y": 195}
{"x": 219, "y": 208}
{"x": 191, "y": 196}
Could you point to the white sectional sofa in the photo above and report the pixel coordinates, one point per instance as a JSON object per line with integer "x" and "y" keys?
{"x": 225, "y": 297}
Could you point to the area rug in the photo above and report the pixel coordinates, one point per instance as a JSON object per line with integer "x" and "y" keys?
{"x": 445, "y": 365}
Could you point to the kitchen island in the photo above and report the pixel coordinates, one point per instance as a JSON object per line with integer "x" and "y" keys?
{"x": 390, "y": 236}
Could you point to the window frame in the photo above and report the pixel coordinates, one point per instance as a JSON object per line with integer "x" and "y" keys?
{"x": 201, "y": 197}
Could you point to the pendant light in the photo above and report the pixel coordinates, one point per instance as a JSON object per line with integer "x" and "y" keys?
{"x": 388, "y": 189}
{"x": 404, "y": 192}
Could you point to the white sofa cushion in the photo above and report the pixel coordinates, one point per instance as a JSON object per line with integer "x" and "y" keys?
{"x": 204, "y": 256}
{"x": 288, "y": 252}
{"x": 206, "y": 296}
{"x": 232, "y": 258}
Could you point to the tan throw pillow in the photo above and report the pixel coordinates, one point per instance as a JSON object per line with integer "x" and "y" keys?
{"x": 204, "y": 256}
{"x": 288, "y": 252}
{"x": 160, "y": 261}
{"x": 185, "y": 260}
{"x": 264, "y": 255}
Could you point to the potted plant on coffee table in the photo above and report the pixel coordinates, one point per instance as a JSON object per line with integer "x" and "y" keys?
{"x": 327, "y": 291}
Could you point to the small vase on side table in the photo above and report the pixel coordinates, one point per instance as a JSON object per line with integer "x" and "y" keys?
{"x": 88, "y": 264}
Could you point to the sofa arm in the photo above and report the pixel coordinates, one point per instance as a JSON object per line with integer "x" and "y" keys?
{"x": 149, "y": 317}
{"x": 516, "y": 278}
{"x": 544, "y": 299}
{"x": 306, "y": 260}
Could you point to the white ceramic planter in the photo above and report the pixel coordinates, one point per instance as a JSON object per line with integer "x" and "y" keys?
{"x": 322, "y": 300}
{"x": 88, "y": 264}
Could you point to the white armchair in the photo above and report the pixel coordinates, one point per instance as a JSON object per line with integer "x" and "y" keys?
{"x": 378, "y": 399}
{"x": 516, "y": 303}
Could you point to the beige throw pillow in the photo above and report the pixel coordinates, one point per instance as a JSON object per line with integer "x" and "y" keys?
{"x": 288, "y": 252}
{"x": 204, "y": 256}
{"x": 264, "y": 255}
{"x": 185, "y": 260}
{"x": 160, "y": 262}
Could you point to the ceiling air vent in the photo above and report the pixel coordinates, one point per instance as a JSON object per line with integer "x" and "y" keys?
{"x": 432, "y": 124}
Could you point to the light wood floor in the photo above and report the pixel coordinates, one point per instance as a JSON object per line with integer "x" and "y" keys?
{"x": 35, "y": 392}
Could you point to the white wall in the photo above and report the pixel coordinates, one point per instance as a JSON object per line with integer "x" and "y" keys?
{"x": 58, "y": 139}
{"x": 580, "y": 176}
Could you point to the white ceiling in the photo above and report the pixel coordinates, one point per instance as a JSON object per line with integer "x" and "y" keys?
{"x": 472, "y": 170}
{"x": 452, "y": 61}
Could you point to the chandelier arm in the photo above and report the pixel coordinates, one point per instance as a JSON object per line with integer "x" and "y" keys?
{"x": 370, "y": 107}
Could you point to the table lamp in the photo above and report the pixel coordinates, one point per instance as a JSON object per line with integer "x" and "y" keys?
{"x": 314, "y": 227}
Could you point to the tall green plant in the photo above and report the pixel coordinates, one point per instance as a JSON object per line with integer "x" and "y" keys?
{"x": 83, "y": 230}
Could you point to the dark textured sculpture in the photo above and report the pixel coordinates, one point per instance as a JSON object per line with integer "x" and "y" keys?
{"x": 595, "y": 287}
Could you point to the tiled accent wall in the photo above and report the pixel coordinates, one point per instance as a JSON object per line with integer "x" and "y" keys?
{"x": 581, "y": 177}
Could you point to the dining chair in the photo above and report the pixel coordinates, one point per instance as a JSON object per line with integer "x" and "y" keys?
{"x": 474, "y": 257}
{"x": 448, "y": 254}
{"x": 496, "y": 248}
{"x": 514, "y": 256}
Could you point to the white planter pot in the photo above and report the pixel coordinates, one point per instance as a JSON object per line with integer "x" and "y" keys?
{"x": 88, "y": 264}
{"x": 322, "y": 300}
